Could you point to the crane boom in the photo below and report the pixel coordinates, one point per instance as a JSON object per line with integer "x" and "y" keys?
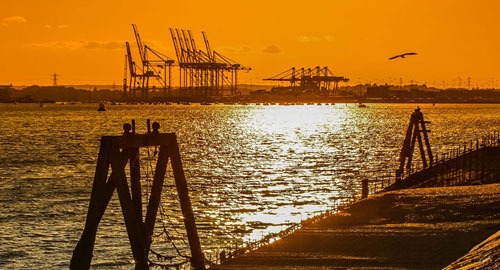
{"x": 139, "y": 43}
{"x": 182, "y": 46}
{"x": 189, "y": 50}
{"x": 193, "y": 43}
{"x": 130, "y": 61}
{"x": 176, "y": 45}
{"x": 207, "y": 46}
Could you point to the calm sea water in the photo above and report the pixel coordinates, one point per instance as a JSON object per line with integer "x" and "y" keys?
{"x": 251, "y": 169}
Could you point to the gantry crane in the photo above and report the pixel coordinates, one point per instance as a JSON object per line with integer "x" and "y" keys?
{"x": 204, "y": 73}
{"x": 154, "y": 66}
{"x": 310, "y": 79}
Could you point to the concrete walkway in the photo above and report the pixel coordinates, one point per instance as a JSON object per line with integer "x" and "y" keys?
{"x": 408, "y": 229}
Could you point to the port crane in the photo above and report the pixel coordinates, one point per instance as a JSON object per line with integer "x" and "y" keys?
{"x": 204, "y": 72}
{"x": 154, "y": 66}
{"x": 310, "y": 79}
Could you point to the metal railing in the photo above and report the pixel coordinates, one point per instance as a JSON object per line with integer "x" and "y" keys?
{"x": 475, "y": 162}
{"x": 465, "y": 164}
{"x": 231, "y": 252}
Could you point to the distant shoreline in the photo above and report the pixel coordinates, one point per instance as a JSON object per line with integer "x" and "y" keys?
{"x": 373, "y": 94}
{"x": 255, "y": 102}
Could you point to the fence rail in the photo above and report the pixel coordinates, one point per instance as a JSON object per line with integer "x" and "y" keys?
{"x": 231, "y": 252}
{"x": 470, "y": 163}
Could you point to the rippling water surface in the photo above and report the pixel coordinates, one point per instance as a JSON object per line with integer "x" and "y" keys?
{"x": 251, "y": 169}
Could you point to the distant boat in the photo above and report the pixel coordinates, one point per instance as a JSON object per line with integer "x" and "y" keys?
{"x": 361, "y": 105}
{"x": 101, "y": 107}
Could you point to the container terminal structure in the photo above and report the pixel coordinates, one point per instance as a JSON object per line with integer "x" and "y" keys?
{"x": 309, "y": 81}
{"x": 154, "y": 67}
{"x": 202, "y": 73}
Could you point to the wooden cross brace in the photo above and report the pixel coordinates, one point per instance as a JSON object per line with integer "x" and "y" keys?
{"x": 116, "y": 152}
{"x": 416, "y": 129}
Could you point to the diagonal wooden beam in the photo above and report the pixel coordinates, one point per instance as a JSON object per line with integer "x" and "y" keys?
{"x": 135, "y": 181}
{"x": 421, "y": 146}
{"x": 155, "y": 197}
{"x": 82, "y": 254}
{"x": 412, "y": 145}
{"x": 197, "y": 258}
{"x": 102, "y": 191}
{"x": 406, "y": 146}
{"x": 426, "y": 139}
{"x": 132, "y": 223}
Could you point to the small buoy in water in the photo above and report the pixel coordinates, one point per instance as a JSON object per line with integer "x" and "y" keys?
{"x": 101, "y": 107}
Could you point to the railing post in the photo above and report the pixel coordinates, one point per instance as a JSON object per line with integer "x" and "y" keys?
{"x": 448, "y": 171}
{"x": 364, "y": 189}
{"x": 457, "y": 165}
{"x": 470, "y": 164}
{"x": 482, "y": 166}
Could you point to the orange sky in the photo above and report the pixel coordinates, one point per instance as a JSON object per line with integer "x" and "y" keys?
{"x": 82, "y": 40}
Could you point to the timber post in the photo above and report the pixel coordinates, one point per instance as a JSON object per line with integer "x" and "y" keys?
{"x": 116, "y": 152}
{"x": 197, "y": 259}
{"x": 416, "y": 132}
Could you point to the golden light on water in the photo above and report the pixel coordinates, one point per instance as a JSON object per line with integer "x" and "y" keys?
{"x": 285, "y": 128}
{"x": 251, "y": 169}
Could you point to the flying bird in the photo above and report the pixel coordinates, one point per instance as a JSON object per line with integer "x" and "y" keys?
{"x": 402, "y": 55}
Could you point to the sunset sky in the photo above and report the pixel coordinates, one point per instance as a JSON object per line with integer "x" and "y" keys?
{"x": 83, "y": 40}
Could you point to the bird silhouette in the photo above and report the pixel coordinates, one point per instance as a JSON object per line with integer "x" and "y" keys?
{"x": 402, "y": 55}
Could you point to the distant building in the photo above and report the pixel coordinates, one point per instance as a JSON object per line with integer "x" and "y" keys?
{"x": 5, "y": 93}
{"x": 377, "y": 92}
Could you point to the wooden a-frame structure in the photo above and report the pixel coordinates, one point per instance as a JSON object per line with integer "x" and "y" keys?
{"x": 115, "y": 153}
{"x": 416, "y": 130}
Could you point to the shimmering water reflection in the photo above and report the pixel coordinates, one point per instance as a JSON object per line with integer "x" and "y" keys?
{"x": 251, "y": 169}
